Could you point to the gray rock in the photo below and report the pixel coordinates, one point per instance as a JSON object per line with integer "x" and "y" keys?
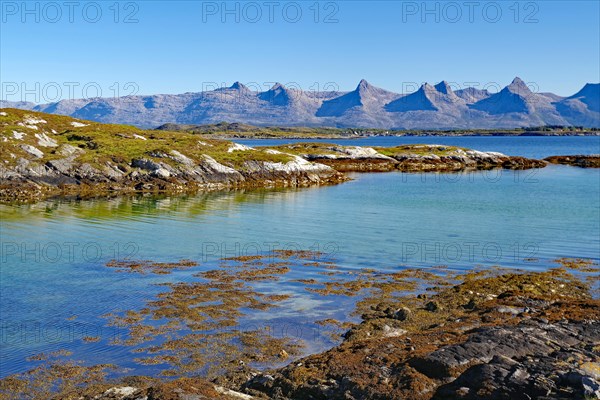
{"x": 510, "y": 310}
{"x": 145, "y": 164}
{"x": 512, "y": 342}
{"x": 122, "y": 393}
{"x": 180, "y": 158}
{"x": 34, "y": 151}
{"x": 63, "y": 165}
{"x": 68, "y": 150}
{"x": 45, "y": 141}
{"x": 591, "y": 387}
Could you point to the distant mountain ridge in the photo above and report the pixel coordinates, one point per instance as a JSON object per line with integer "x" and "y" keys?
{"x": 430, "y": 107}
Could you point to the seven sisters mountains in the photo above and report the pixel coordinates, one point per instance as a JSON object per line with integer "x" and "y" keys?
{"x": 430, "y": 107}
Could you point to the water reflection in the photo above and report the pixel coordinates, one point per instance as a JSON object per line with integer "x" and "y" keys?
{"x": 54, "y": 253}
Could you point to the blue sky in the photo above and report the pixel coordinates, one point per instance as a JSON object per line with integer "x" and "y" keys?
{"x": 181, "y": 46}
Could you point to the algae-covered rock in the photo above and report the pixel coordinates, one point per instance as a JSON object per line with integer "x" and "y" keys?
{"x": 583, "y": 161}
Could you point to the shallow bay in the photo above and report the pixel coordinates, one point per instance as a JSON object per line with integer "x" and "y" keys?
{"x": 55, "y": 286}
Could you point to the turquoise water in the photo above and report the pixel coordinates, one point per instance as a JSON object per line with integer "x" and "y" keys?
{"x": 525, "y": 146}
{"x": 54, "y": 253}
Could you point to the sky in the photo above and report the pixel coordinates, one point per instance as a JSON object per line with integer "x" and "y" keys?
{"x": 79, "y": 49}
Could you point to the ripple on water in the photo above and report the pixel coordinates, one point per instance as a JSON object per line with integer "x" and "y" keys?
{"x": 379, "y": 221}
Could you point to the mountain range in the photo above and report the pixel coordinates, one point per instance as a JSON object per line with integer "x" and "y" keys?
{"x": 430, "y": 107}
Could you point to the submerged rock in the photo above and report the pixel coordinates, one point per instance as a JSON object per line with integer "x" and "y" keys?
{"x": 583, "y": 161}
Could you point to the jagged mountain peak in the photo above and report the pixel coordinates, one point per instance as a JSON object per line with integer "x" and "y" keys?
{"x": 514, "y": 98}
{"x": 444, "y": 87}
{"x": 421, "y": 100}
{"x": 237, "y": 85}
{"x": 440, "y": 98}
{"x": 363, "y": 84}
{"x": 365, "y": 90}
{"x": 518, "y": 86}
{"x": 278, "y": 95}
{"x": 365, "y": 98}
{"x": 278, "y": 86}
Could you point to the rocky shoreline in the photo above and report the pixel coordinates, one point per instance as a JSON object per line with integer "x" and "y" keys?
{"x": 408, "y": 158}
{"x": 50, "y": 156}
{"x": 47, "y": 156}
{"x": 487, "y": 334}
{"x": 511, "y": 337}
{"x": 583, "y": 161}
{"x": 28, "y": 185}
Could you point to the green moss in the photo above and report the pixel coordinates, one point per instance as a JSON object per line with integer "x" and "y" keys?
{"x": 419, "y": 149}
{"x": 116, "y": 143}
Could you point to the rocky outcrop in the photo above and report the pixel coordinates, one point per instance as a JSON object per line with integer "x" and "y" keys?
{"x": 464, "y": 160}
{"x": 410, "y": 158}
{"x": 352, "y": 159}
{"x": 30, "y": 180}
{"x": 510, "y": 337}
{"x": 583, "y": 161}
{"x": 532, "y": 360}
{"x": 59, "y": 156}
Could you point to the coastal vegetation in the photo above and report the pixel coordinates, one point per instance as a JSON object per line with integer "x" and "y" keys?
{"x": 47, "y": 155}
{"x": 236, "y": 130}
{"x": 413, "y": 333}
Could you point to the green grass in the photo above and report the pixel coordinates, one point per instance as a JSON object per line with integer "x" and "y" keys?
{"x": 417, "y": 149}
{"x": 116, "y": 143}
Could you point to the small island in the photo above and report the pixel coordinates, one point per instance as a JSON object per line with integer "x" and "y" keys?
{"x": 47, "y": 156}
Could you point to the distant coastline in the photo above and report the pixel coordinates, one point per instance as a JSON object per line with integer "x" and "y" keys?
{"x": 224, "y": 130}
